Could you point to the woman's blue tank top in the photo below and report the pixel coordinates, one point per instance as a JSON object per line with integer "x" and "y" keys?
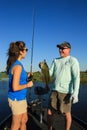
{"x": 20, "y": 94}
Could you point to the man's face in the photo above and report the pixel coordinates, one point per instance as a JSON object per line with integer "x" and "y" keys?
{"x": 64, "y": 51}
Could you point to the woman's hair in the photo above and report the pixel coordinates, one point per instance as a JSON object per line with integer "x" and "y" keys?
{"x": 13, "y": 53}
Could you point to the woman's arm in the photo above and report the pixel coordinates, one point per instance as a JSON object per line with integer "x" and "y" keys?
{"x": 16, "y": 79}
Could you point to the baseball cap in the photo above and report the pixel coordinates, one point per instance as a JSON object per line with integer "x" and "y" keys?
{"x": 64, "y": 44}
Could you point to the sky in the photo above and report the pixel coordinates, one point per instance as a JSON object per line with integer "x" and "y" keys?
{"x": 55, "y": 21}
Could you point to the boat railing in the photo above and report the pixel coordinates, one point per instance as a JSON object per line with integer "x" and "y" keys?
{"x": 83, "y": 123}
{"x": 4, "y": 120}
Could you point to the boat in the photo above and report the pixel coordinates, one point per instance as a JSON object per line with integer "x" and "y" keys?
{"x": 37, "y": 113}
{"x": 37, "y": 121}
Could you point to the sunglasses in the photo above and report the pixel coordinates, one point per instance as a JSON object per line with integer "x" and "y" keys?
{"x": 25, "y": 49}
{"x": 62, "y": 48}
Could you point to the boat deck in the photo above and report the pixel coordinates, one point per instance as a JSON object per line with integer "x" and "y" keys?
{"x": 35, "y": 121}
{"x": 58, "y": 121}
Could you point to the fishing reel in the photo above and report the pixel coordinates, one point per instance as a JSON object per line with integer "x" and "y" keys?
{"x": 29, "y": 78}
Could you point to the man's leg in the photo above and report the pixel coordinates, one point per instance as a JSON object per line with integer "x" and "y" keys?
{"x": 68, "y": 120}
{"x": 49, "y": 119}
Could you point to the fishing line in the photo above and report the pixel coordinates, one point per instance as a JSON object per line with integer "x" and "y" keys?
{"x": 32, "y": 39}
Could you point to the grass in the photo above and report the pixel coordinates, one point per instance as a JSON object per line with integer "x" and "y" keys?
{"x": 3, "y": 75}
{"x": 83, "y": 77}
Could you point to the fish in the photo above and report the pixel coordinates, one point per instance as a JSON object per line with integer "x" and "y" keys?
{"x": 45, "y": 76}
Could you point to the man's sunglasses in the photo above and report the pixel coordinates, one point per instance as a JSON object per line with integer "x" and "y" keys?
{"x": 62, "y": 48}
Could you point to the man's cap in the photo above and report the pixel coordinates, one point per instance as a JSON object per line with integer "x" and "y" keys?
{"x": 64, "y": 44}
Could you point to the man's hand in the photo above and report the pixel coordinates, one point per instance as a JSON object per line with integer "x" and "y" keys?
{"x": 74, "y": 99}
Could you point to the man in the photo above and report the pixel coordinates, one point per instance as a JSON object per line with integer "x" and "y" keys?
{"x": 66, "y": 72}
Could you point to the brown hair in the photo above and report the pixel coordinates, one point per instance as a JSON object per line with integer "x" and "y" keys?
{"x": 13, "y": 53}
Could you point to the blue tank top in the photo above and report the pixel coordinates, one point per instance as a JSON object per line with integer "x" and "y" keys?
{"x": 20, "y": 94}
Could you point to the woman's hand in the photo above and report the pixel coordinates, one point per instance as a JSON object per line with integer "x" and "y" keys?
{"x": 29, "y": 84}
{"x": 29, "y": 76}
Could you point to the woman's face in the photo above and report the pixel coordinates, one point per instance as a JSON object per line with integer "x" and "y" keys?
{"x": 23, "y": 52}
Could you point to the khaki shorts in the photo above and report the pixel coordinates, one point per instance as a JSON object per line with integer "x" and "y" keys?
{"x": 60, "y": 102}
{"x": 18, "y": 107}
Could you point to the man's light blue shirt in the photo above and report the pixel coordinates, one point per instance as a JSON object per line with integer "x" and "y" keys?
{"x": 66, "y": 72}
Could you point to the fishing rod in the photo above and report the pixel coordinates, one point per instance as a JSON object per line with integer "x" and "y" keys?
{"x": 29, "y": 78}
{"x": 32, "y": 47}
{"x": 32, "y": 39}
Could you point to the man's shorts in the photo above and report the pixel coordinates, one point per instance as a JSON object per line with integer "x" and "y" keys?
{"x": 18, "y": 107}
{"x": 60, "y": 102}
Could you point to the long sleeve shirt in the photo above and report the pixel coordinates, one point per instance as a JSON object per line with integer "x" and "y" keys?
{"x": 66, "y": 72}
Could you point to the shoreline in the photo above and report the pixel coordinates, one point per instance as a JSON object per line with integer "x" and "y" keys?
{"x": 37, "y": 77}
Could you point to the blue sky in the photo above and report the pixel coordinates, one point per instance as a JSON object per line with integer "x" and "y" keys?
{"x": 55, "y": 21}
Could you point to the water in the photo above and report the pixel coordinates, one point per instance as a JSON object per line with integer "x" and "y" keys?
{"x": 4, "y": 108}
{"x": 79, "y": 109}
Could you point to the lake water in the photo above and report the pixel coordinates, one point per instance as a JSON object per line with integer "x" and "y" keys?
{"x": 79, "y": 109}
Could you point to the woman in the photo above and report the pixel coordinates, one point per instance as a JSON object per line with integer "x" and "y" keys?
{"x": 17, "y": 85}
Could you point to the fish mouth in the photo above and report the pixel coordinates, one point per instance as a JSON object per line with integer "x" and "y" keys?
{"x": 39, "y": 65}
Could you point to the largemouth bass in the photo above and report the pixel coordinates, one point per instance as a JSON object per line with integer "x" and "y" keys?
{"x": 45, "y": 73}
